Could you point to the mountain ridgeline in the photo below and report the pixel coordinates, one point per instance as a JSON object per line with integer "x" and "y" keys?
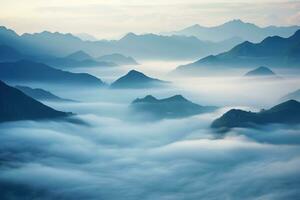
{"x": 236, "y": 28}
{"x": 117, "y": 58}
{"x": 260, "y": 72}
{"x": 41, "y": 94}
{"x": 137, "y": 80}
{"x": 273, "y": 51}
{"x": 147, "y": 46}
{"x": 284, "y": 113}
{"x": 24, "y": 71}
{"x": 173, "y": 107}
{"x": 15, "y": 106}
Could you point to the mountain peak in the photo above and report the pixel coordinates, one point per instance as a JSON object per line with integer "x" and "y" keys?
{"x": 136, "y": 79}
{"x": 236, "y": 21}
{"x": 129, "y": 35}
{"x": 177, "y": 97}
{"x": 172, "y": 107}
{"x": 285, "y": 113}
{"x": 296, "y": 35}
{"x": 146, "y": 99}
{"x": 260, "y": 71}
{"x": 79, "y": 55}
{"x": 15, "y": 105}
{"x": 133, "y": 71}
{"x": 195, "y": 26}
{"x": 287, "y": 105}
{"x": 136, "y": 74}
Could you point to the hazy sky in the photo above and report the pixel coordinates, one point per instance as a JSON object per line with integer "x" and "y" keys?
{"x": 113, "y": 18}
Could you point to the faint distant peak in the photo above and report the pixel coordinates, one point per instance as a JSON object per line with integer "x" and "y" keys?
{"x": 129, "y": 35}
{"x": 261, "y": 71}
{"x": 86, "y": 37}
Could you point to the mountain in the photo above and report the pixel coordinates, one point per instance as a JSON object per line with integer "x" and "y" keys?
{"x": 293, "y": 95}
{"x": 29, "y": 71}
{"x": 173, "y": 107}
{"x": 154, "y": 46}
{"x": 260, "y": 71}
{"x": 15, "y": 105}
{"x": 118, "y": 59}
{"x": 272, "y": 51}
{"x": 39, "y": 94}
{"x": 86, "y": 37}
{"x": 135, "y": 79}
{"x": 146, "y": 46}
{"x": 79, "y": 56}
{"x": 236, "y": 28}
{"x": 284, "y": 113}
{"x": 76, "y": 59}
{"x": 63, "y": 63}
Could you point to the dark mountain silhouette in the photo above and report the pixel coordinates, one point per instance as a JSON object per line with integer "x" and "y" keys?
{"x": 260, "y": 71}
{"x": 284, "y": 113}
{"x": 24, "y": 71}
{"x": 135, "y": 79}
{"x": 15, "y": 105}
{"x": 272, "y": 51}
{"x": 173, "y": 107}
{"x": 147, "y": 46}
{"x": 118, "y": 59}
{"x": 236, "y": 28}
{"x": 293, "y": 95}
{"x": 40, "y": 94}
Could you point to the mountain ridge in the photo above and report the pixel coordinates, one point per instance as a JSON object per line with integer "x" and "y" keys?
{"x": 284, "y": 113}
{"x": 135, "y": 79}
{"x": 15, "y": 106}
{"x": 245, "y": 30}
{"x": 272, "y": 51}
{"x": 175, "y": 106}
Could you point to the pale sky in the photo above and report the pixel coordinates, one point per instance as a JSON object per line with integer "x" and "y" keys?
{"x": 114, "y": 18}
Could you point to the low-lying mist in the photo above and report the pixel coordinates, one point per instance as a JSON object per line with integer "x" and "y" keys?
{"x": 116, "y": 157}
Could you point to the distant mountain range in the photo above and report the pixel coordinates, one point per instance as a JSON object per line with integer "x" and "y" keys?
{"x": 15, "y": 105}
{"x": 25, "y": 71}
{"x": 41, "y": 94}
{"x": 119, "y": 59}
{"x": 284, "y": 113}
{"x": 76, "y": 59}
{"x": 135, "y": 79}
{"x": 173, "y": 107}
{"x": 147, "y": 46}
{"x": 260, "y": 72}
{"x": 272, "y": 51}
{"x": 236, "y": 28}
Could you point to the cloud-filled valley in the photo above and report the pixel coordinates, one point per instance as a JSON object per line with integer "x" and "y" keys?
{"x": 115, "y": 157}
{"x": 196, "y": 113}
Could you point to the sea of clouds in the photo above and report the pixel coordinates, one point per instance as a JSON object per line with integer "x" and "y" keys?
{"x": 113, "y": 156}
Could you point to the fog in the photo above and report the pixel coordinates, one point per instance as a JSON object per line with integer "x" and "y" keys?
{"x": 115, "y": 156}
